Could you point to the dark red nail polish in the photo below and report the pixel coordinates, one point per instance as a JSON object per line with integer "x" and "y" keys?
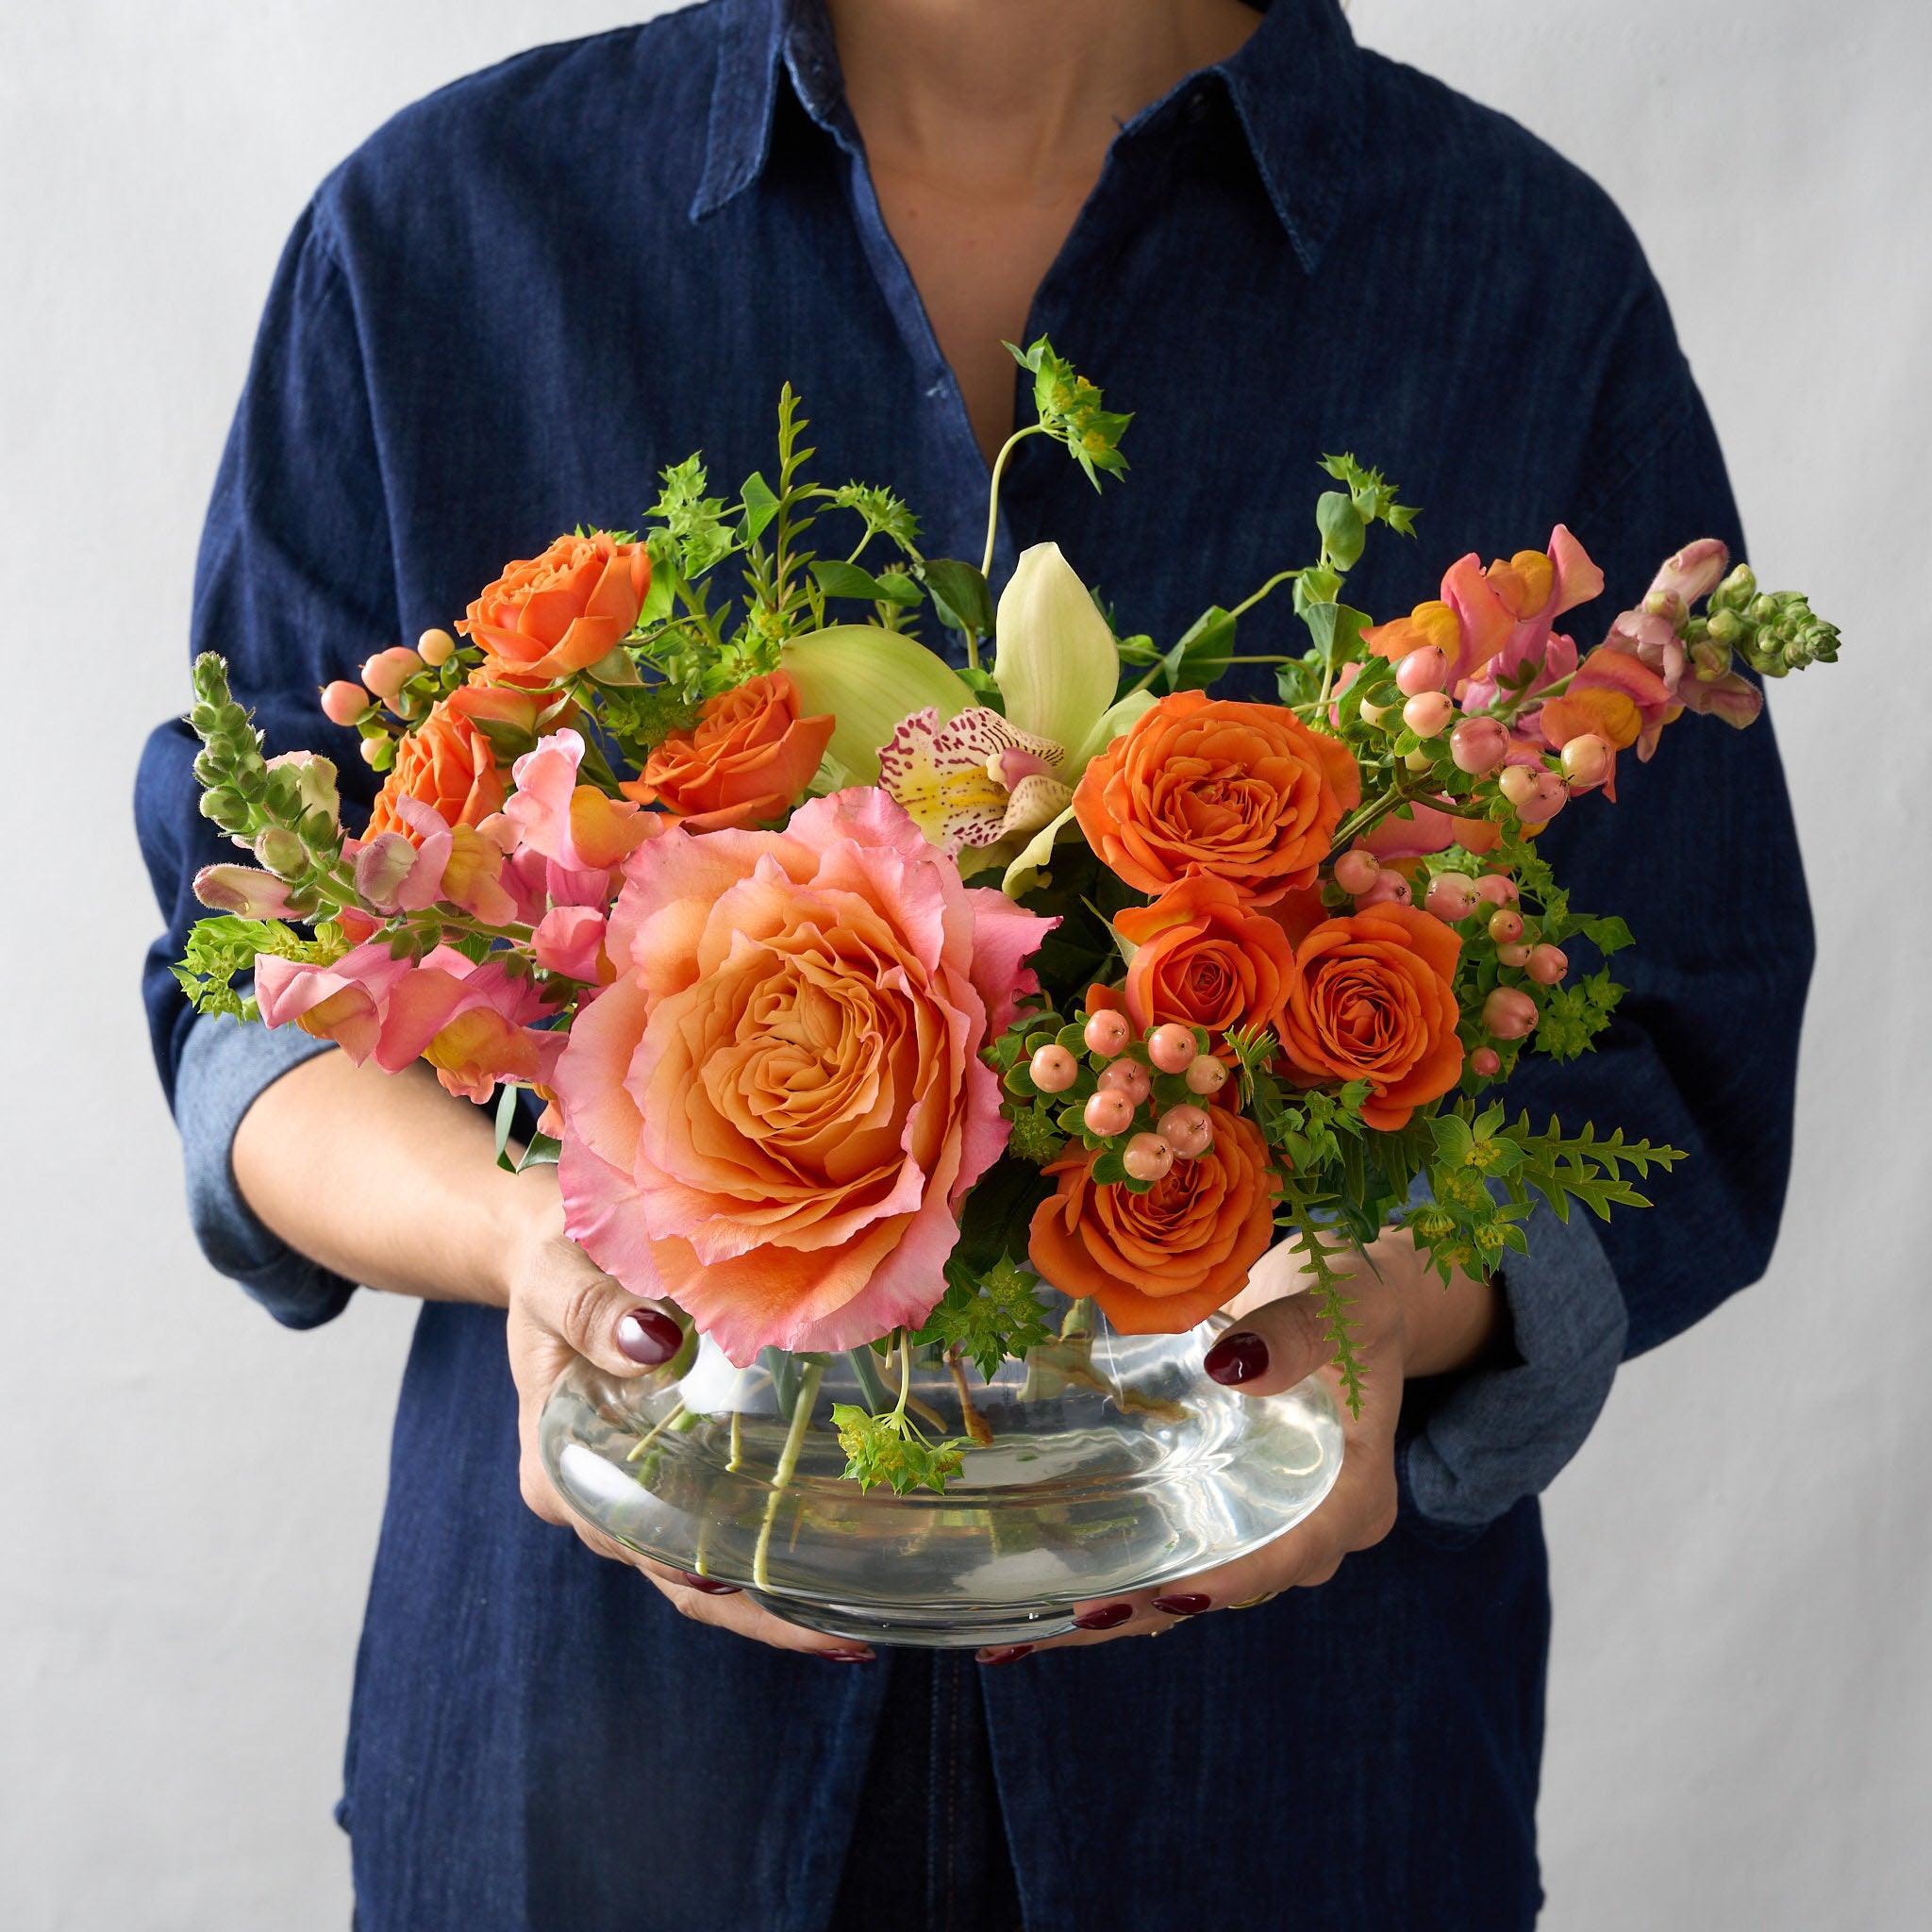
{"x": 1106, "y": 1617}
{"x": 647, "y": 1337}
{"x": 845, "y": 1656}
{"x": 1241, "y": 1357}
{"x": 1186, "y": 1605}
{"x": 1006, "y": 1653}
{"x": 709, "y": 1585}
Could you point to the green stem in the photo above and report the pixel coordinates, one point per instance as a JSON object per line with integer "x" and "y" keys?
{"x": 993, "y": 503}
{"x": 1274, "y": 583}
{"x": 737, "y": 1459}
{"x": 647, "y": 1440}
{"x": 788, "y": 1465}
{"x": 904, "y": 1375}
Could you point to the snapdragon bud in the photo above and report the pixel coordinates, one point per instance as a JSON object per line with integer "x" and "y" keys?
{"x": 282, "y": 852}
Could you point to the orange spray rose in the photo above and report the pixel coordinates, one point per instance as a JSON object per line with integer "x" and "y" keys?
{"x": 1205, "y": 957}
{"x": 1376, "y": 1000}
{"x": 548, "y": 616}
{"x": 449, "y": 762}
{"x": 1162, "y": 1261}
{"x": 748, "y": 759}
{"x": 1244, "y": 793}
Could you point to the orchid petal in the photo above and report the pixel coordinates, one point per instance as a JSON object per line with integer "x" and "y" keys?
{"x": 1022, "y": 873}
{"x": 1115, "y": 719}
{"x": 1055, "y": 659}
{"x": 869, "y": 679}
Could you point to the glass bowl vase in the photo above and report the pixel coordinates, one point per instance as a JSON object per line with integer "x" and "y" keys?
{"x": 1100, "y": 1463}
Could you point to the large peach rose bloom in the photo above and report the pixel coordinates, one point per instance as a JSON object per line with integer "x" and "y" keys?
{"x": 775, "y": 1112}
{"x": 1244, "y": 793}
{"x": 1160, "y": 1261}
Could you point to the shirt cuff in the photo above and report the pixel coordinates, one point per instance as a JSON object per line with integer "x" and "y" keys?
{"x": 225, "y": 1065}
{"x": 1505, "y": 1433}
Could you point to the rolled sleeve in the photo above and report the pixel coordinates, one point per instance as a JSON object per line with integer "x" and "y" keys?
{"x": 224, "y": 1067}
{"x": 1503, "y": 1433}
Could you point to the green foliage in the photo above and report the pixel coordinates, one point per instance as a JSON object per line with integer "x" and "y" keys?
{"x": 961, "y": 595}
{"x": 1573, "y": 1016}
{"x": 985, "y": 1318}
{"x": 638, "y": 718}
{"x": 885, "y": 515}
{"x": 1070, "y": 411}
{"x": 891, "y": 1449}
{"x": 224, "y": 948}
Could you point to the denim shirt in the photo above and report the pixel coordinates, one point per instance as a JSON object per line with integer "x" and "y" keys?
{"x": 503, "y": 317}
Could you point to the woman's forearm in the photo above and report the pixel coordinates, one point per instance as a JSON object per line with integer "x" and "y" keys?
{"x": 386, "y": 1179}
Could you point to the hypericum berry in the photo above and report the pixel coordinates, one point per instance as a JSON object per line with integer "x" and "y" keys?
{"x": 1128, "y": 1078}
{"x": 1547, "y": 964}
{"x": 1186, "y": 1130}
{"x": 1452, "y": 895}
{"x": 1518, "y": 785}
{"x": 1108, "y": 1112}
{"x": 1106, "y": 1032}
{"x": 1420, "y": 670}
{"x": 1486, "y": 1062}
{"x": 1497, "y": 889}
{"x": 1390, "y": 888}
{"x": 1417, "y": 760}
{"x": 342, "y": 702}
{"x": 1374, "y": 714}
{"x": 1355, "y": 872}
{"x": 1548, "y": 798}
{"x": 1428, "y": 714}
{"x": 1515, "y": 954}
{"x": 387, "y": 672}
{"x": 1505, "y": 924}
{"x": 1587, "y": 762}
{"x": 436, "y": 647}
{"x": 1477, "y": 746}
{"x": 1053, "y": 1069}
{"x": 1508, "y": 1013}
{"x": 1208, "y": 1075}
{"x": 1172, "y": 1048}
{"x": 371, "y": 749}
{"x": 1148, "y": 1158}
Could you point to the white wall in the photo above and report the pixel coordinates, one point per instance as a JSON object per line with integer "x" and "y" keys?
{"x": 1740, "y": 1718}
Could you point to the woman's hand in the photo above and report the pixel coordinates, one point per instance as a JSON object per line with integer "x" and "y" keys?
{"x": 561, "y": 1306}
{"x": 1406, "y": 1322}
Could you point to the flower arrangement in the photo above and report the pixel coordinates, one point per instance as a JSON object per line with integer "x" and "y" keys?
{"x": 864, "y": 993}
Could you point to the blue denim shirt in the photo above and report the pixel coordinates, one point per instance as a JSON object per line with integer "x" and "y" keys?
{"x": 502, "y": 317}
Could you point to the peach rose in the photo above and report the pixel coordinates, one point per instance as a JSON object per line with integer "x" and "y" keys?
{"x": 1376, "y": 1000}
{"x": 1205, "y": 956}
{"x": 749, "y": 757}
{"x": 1244, "y": 793}
{"x": 775, "y": 1110}
{"x": 1162, "y": 1261}
{"x": 548, "y": 616}
{"x": 448, "y": 763}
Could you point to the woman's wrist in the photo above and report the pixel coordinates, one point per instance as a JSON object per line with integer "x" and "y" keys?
{"x": 1446, "y": 1326}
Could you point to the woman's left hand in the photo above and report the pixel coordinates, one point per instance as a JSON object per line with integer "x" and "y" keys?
{"x": 1405, "y": 1323}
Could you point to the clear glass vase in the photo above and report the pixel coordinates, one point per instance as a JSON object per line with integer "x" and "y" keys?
{"x": 1102, "y": 1463}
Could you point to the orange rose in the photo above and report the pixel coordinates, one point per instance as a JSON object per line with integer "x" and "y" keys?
{"x": 749, "y": 758}
{"x": 1162, "y": 1261}
{"x": 1376, "y": 1000}
{"x": 1205, "y": 957}
{"x": 548, "y": 616}
{"x": 1244, "y": 793}
{"x": 449, "y": 762}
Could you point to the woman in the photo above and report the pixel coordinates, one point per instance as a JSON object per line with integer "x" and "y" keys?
{"x": 503, "y": 316}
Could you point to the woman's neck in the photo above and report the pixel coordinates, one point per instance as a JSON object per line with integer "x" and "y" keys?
{"x": 986, "y": 124}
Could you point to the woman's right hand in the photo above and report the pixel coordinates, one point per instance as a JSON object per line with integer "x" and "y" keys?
{"x": 562, "y": 1306}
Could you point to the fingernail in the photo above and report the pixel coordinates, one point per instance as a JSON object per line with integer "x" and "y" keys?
{"x": 709, "y": 1585}
{"x": 1003, "y": 1652}
{"x": 1241, "y": 1357}
{"x": 1186, "y": 1605}
{"x": 1105, "y": 1618}
{"x": 647, "y": 1337}
{"x": 858, "y": 1656}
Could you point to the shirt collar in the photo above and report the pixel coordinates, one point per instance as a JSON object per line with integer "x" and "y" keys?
{"x": 1295, "y": 89}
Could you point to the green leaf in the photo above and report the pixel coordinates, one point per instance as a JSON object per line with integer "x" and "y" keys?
{"x": 960, "y": 594}
{"x": 1342, "y": 527}
{"x": 888, "y": 1449}
{"x": 760, "y": 505}
{"x": 615, "y": 667}
{"x": 848, "y": 580}
{"x": 1201, "y": 656}
{"x": 987, "y": 1315}
{"x": 1336, "y": 629}
{"x": 1573, "y": 1016}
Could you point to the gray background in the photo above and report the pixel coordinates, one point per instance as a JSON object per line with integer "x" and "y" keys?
{"x": 1740, "y": 1706}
